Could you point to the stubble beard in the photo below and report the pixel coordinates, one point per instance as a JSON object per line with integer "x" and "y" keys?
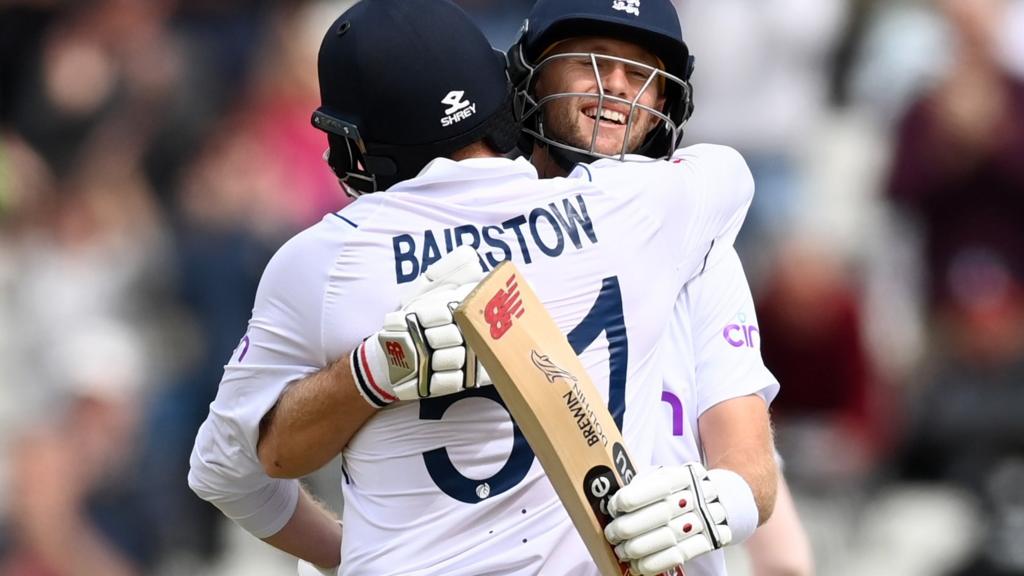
{"x": 564, "y": 123}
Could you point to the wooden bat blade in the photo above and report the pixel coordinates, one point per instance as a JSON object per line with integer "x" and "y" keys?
{"x": 552, "y": 399}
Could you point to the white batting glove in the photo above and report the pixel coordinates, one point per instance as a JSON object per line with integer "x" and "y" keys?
{"x": 667, "y": 516}
{"x": 307, "y": 569}
{"x": 420, "y": 352}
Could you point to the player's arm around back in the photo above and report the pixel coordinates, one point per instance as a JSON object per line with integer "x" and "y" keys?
{"x": 418, "y": 353}
{"x": 312, "y": 422}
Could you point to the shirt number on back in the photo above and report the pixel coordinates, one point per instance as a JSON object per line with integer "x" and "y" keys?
{"x": 605, "y": 316}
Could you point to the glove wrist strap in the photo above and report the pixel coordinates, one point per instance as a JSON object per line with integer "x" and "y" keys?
{"x": 366, "y": 363}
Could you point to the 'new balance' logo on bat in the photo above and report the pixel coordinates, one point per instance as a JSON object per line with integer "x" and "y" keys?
{"x": 505, "y": 305}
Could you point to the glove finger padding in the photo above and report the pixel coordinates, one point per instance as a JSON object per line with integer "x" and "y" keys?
{"x": 666, "y": 535}
{"x": 658, "y": 513}
{"x": 431, "y": 314}
{"x": 420, "y": 352}
{"x": 669, "y": 558}
{"x": 683, "y": 539}
{"x": 666, "y": 517}
{"x": 648, "y": 488}
{"x": 677, "y": 531}
{"x": 395, "y": 321}
{"x": 447, "y": 359}
{"x": 442, "y": 383}
{"x": 460, "y": 266}
{"x": 446, "y": 336}
{"x": 658, "y": 563}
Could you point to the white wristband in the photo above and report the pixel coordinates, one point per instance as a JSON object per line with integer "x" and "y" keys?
{"x": 738, "y": 499}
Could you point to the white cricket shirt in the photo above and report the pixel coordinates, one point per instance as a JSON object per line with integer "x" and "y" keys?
{"x": 448, "y": 485}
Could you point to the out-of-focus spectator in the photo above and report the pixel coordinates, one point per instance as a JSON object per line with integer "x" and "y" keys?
{"x": 957, "y": 166}
{"x": 256, "y": 179}
{"x": 760, "y": 85}
{"x": 108, "y": 67}
{"x": 958, "y": 173}
{"x": 75, "y": 506}
{"x": 810, "y": 321}
{"x": 900, "y": 46}
{"x": 967, "y": 427}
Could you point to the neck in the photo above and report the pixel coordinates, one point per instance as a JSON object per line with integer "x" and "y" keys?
{"x": 475, "y": 150}
{"x": 545, "y": 164}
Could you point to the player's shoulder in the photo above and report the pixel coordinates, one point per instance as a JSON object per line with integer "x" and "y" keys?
{"x": 719, "y": 170}
{"x": 306, "y": 259}
{"x": 707, "y": 150}
{"x": 711, "y": 160}
{"x": 713, "y": 157}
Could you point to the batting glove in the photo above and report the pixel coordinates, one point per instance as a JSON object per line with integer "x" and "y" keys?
{"x": 420, "y": 352}
{"x": 667, "y": 516}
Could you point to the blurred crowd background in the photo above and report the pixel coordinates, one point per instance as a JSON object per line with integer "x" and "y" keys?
{"x": 155, "y": 153}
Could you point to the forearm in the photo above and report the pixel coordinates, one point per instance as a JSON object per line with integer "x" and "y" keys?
{"x": 312, "y": 534}
{"x": 736, "y": 435}
{"x": 760, "y": 474}
{"x": 312, "y": 422}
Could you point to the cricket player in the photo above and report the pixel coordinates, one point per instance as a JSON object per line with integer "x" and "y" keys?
{"x": 590, "y": 78}
{"x": 438, "y": 479}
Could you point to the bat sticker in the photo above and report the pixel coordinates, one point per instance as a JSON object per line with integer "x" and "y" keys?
{"x": 599, "y": 484}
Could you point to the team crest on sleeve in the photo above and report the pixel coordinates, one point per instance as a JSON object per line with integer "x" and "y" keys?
{"x": 627, "y": 6}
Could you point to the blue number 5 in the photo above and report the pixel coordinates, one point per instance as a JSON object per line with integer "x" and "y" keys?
{"x": 604, "y": 316}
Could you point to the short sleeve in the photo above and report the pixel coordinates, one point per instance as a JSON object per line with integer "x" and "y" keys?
{"x": 727, "y": 340}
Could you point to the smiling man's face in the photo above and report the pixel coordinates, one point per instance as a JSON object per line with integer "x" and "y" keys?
{"x": 572, "y": 120}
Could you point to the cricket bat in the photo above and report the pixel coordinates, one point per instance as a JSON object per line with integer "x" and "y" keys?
{"x": 552, "y": 399}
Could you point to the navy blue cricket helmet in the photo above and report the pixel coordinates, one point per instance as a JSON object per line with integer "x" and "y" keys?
{"x": 650, "y": 24}
{"x": 403, "y": 82}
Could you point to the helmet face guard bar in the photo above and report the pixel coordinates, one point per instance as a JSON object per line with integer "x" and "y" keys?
{"x": 365, "y": 167}
{"x": 530, "y": 109}
{"x": 355, "y": 170}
